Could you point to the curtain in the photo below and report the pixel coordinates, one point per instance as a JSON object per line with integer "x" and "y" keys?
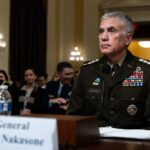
{"x": 27, "y": 37}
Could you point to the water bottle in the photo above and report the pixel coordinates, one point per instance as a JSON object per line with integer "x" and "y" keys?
{"x": 5, "y": 101}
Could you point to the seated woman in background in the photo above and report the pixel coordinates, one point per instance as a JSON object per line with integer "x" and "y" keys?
{"x": 26, "y": 98}
{"x": 4, "y": 78}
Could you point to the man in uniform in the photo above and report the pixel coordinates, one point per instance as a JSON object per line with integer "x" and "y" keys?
{"x": 116, "y": 87}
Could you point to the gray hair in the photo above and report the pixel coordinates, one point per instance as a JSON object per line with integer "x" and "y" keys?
{"x": 127, "y": 21}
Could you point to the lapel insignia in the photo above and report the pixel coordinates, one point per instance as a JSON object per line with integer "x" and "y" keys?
{"x": 132, "y": 109}
{"x": 135, "y": 79}
{"x": 97, "y": 81}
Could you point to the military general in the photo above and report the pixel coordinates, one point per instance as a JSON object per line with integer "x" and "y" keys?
{"x": 116, "y": 87}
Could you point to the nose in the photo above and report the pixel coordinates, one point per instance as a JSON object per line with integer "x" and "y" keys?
{"x": 103, "y": 36}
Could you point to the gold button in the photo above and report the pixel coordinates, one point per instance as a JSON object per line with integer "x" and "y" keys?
{"x": 132, "y": 98}
{"x": 112, "y": 112}
{"x": 112, "y": 98}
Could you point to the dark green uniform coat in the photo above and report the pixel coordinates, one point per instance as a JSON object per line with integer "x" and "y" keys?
{"x": 121, "y": 100}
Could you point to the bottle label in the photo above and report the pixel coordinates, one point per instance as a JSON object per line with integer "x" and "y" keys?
{"x": 1, "y": 107}
{"x": 5, "y": 101}
{"x": 5, "y": 107}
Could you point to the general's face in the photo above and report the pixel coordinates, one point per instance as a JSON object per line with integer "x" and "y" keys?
{"x": 112, "y": 36}
{"x": 66, "y": 75}
{"x": 30, "y": 76}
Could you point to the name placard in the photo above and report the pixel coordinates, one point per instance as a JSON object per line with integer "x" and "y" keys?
{"x": 26, "y": 133}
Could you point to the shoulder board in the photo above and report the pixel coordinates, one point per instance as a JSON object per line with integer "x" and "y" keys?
{"x": 91, "y": 62}
{"x": 144, "y": 61}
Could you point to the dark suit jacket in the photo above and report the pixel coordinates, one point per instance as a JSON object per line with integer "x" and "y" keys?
{"x": 51, "y": 92}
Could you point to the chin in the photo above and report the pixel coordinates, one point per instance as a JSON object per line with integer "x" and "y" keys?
{"x": 105, "y": 52}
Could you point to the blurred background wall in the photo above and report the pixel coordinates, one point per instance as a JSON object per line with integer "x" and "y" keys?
{"x": 74, "y": 23}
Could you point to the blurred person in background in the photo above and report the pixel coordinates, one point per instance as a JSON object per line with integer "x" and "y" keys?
{"x": 25, "y": 103}
{"x": 58, "y": 91}
{"x": 4, "y": 80}
{"x": 42, "y": 80}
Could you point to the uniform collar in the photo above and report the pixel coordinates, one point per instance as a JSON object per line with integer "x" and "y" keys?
{"x": 127, "y": 68}
{"x": 119, "y": 62}
{"x": 128, "y": 62}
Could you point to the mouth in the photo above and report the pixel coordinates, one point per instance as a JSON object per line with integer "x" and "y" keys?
{"x": 103, "y": 46}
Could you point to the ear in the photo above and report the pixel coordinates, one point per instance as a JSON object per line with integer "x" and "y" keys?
{"x": 128, "y": 38}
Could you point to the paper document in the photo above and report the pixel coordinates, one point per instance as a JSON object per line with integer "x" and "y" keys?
{"x": 124, "y": 133}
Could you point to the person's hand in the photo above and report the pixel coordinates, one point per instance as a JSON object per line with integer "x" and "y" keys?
{"x": 25, "y": 111}
{"x": 63, "y": 103}
{"x": 65, "y": 107}
{"x": 59, "y": 101}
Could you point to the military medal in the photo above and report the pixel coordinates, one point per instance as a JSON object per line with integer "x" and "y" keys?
{"x": 135, "y": 79}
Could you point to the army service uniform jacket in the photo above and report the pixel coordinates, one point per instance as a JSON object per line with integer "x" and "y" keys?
{"x": 122, "y": 100}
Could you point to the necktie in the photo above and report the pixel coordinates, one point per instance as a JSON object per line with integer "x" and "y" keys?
{"x": 114, "y": 69}
{"x": 59, "y": 90}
